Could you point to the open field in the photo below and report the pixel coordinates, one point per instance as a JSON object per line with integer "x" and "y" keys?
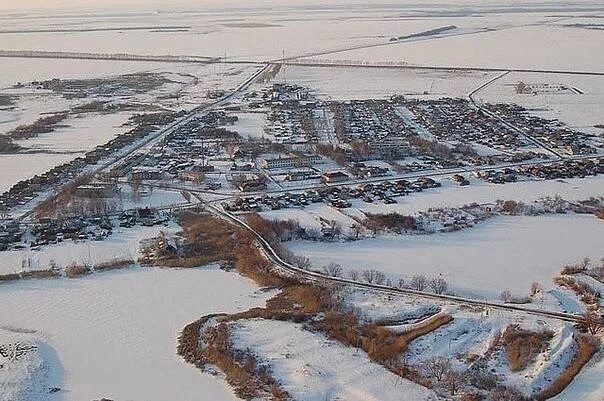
{"x": 504, "y": 253}
{"x": 116, "y": 319}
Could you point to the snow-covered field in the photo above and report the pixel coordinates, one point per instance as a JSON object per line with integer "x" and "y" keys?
{"x": 357, "y": 83}
{"x": 544, "y": 46}
{"x": 14, "y": 168}
{"x": 114, "y": 335}
{"x": 505, "y": 253}
{"x": 579, "y": 110}
{"x": 123, "y": 244}
{"x": 313, "y": 368}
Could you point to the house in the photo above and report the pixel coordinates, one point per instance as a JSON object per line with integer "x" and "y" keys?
{"x": 191, "y": 176}
{"x": 97, "y": 190}
{"x": 301, "y": 175}
{"x": 336, "y": 176}
{"x": 252, "y": 185}
{"x": 146, "y": 216}
{"x": 290, "y": 161}
{"x": 146, "y": 173}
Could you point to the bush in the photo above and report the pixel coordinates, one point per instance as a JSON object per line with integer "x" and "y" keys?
{"x": 9, "y": 277}
{"x": 39, "y": 274}
{"x": 114, "y": 264}
{"x": 586, "y": 293}
{"x": 74, "y": 270}
{"x": 523, "y": 345}
{"x": 395, "y": 222}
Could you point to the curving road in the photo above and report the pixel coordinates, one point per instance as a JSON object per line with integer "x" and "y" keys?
{"x": 312, "y": 276}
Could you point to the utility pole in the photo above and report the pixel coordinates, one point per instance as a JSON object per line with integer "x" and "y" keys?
{"x": 283, "y": 68}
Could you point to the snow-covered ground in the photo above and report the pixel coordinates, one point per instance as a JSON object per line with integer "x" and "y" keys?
{"x": 14, "y": 168}
{"x": 313, "y": 368}
{"x": 80, "y": 134}
{"x": 23, "y": 377}
{"x": 544, "y": 46}
{"x": 358, "y": 83}
{"x": 580, "y": 111}
{"x": 123, "y": 244}
{"x": 249, "y": 125}
{"x": 504, "y": 253}
{"x": 588, "y": 385}
{"x": 114, "y": 334}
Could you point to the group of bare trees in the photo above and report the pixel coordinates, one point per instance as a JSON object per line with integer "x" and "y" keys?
{"x": 419, "y": 282}
{"x": 441, "y": 370}
{"x": 507, "y": 297}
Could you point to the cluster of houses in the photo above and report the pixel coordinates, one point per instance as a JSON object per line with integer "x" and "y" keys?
{"x": 564, "y": 169}
{"x": 184, "y": 153}
{"x": 45, "y": 231}
{"x": 549, "y": 132}
{"x": 26, "y": 190}
{"x": 452, "y": 219}
{"x": 11, "y": 233}
{"x": 551, "y": 171}
{"x": 290, "y": 118}
{"x": 374, "y": 122}
{"x": 338, "y": 196}
{"x": 455, "y": 120}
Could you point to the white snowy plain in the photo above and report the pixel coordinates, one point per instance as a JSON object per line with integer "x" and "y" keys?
{"x": 313, "y": 368}
{"x": 504, "y": 253}
{"x": 114, "y": 334}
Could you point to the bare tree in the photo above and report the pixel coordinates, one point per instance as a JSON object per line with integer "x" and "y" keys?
{"x": 303, "y": 262}
{"x": 454, "y": 381}
{"x": 592, "y": 323}
{"x": 584, "y": 264}
{"x": 439, "y": 285}
{"x": 419, "y": 282}
{"x": 506, "y": 296}
{"x": 356, "y": 228}
{"x": 373, "y": 276}
{"x": 436, "y": 367}
{"x": 503, "y": 393}
{"x": 333, "y": 269}
{"x": 335, "y": 229}
{"x": 353, "y": 275}
{"x": 401, "y": 283}
{"x": 380, "y": 278}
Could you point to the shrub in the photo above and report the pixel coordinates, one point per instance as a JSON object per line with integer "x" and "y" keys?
{"x": 523, "y": 345}
{"x": 505, "y": 393}
{"x": 393, "y": 221}
{"x": 75, "y": 270}
{"x": 586, "y": 293}
{"x": 9, "y": 277}
{"x": 114, "y": 264}
{"x": 39, "y": 274}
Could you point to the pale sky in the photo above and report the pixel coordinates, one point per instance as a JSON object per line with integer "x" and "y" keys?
{"x": 117, "y": 5}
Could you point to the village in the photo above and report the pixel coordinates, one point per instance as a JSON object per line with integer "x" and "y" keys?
{"x": 308, "y": 152}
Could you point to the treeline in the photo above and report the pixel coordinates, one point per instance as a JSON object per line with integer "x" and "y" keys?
{"x": 41, "y": 126}
{"x": 395, "y": 222}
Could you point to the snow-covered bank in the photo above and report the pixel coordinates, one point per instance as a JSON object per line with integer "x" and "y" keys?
{"x": 115, "y": 333}
{"x": 505, "y": 253}
{"x": 314, "y": 368}
{"x": 123, "y": 244}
